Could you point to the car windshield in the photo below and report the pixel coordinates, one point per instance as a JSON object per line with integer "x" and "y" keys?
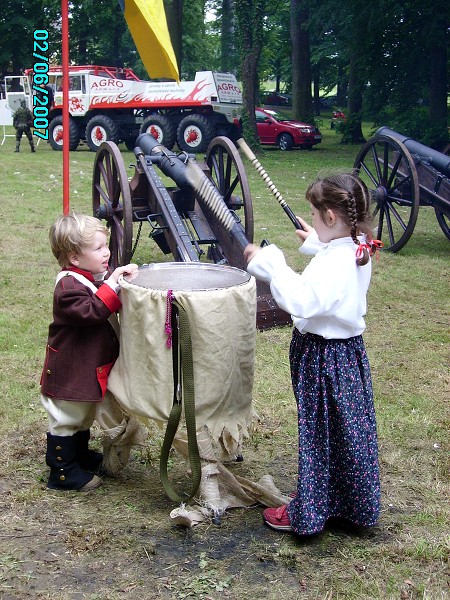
{"x": 278, "y": 116}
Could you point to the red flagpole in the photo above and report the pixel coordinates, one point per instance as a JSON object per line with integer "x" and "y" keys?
{"x": 65, "y": 106}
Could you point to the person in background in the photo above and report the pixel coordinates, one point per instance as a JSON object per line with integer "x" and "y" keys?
{"x": 81, "y": 350}
{"x": 22, "y": 121}
{"x": 47, "y": 96}
{"x": 338, "y": 474}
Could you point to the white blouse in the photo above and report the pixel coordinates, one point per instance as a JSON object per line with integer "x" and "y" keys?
{"x": 329, "y": 297}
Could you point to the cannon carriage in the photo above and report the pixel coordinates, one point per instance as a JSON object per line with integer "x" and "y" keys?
{"x": 205, "y": 214}
{"x": 403, "y": 175}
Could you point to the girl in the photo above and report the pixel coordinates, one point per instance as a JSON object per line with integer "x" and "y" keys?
{"x": 338, "y": 453}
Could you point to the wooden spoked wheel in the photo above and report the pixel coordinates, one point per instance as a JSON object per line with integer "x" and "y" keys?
{"x": 444, "y": 222}
{"x": 229, "y": 176}
{"x": 111, "y": 201}
{"x": 388, "y": 169}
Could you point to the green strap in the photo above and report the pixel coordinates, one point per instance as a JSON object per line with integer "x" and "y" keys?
{"x": 183, "y": 391}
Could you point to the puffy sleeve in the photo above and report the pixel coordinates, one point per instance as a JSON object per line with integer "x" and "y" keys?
{"x": 312, "y": 244}
{"x": 314, "y": 293}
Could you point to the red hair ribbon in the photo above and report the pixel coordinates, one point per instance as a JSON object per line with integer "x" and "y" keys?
{"x": 168, "y": 324}
{"x": 372, "y": 248}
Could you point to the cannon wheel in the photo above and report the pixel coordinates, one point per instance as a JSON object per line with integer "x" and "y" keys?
{"x": 111, "y": 200}
{"x": 230, "y": 178}
{"x": 444, "y": 223}
{"x": 388, "y": 169}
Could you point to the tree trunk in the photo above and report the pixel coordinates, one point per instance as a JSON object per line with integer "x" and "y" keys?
{"x": 250, "y": 15}
{"x": 355, "y": 89}
{"x": 439, "y": 82}
{"x": 342, "y": 89}
{"x": 174, "y": 16}
{"x": 316, "y": 92}
{"x": 302, "y": 108}
{"x": 227, "y": 41}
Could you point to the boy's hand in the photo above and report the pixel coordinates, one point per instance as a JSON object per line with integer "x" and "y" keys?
{"x": 130, "y": 270}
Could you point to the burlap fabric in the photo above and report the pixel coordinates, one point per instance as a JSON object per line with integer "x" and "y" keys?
{"x": 222, "y": 328}
{"x": 223, "y": 335}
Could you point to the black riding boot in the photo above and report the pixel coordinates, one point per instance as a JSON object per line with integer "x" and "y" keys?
{"x": 87, "y": 459}
{"x": 17, "y": 147}
{"x": 65, "y": 472}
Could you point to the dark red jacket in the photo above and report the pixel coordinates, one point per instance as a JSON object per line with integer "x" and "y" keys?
{"x": 82, "y": 345}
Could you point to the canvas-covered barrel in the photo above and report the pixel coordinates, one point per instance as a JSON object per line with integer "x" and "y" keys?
{"x": 220, "y": 302}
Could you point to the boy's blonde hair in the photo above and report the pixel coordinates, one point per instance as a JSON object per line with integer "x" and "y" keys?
{"x": 71, "y": 234}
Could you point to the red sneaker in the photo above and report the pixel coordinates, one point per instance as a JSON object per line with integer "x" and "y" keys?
{"x": 277, "y": 518}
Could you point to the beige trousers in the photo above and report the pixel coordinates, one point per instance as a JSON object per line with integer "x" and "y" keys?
{"x": 66, "y": 417}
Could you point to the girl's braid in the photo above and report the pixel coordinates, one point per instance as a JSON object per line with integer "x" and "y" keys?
{"x": 363, "y": 255}
{"x": 352, "y": 215}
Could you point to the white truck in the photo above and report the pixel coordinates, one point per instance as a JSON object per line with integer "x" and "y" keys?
{"x": 110, "y": 103}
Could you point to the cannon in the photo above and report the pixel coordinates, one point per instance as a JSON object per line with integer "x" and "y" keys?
{"x": 403, "y": 175}
{"x": 206, "y": 215}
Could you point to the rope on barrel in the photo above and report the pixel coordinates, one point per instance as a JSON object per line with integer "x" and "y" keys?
{"x": 214, "y": 201}
{"x": 183, "y": 394}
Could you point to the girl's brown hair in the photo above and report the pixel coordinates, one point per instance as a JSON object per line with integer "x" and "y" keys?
{"x": 348, "y": 196}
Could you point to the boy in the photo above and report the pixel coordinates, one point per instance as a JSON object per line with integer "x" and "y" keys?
{"x": 81, "y": 350}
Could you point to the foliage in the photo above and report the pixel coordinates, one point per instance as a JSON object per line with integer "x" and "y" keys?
{"x": 379, "y": 56}
{"x": 414, "y": 123}
{"x": 196, "y": 44}
{"x": 18, "y": 20}
{"x": 346, "y": 128}
{"x": 250, "y": 18}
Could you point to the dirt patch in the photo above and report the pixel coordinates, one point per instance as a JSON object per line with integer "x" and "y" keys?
{"x": 118, "y": 540}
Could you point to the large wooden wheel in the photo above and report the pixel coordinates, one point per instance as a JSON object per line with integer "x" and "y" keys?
{"x": 444, "y": 222}
{"x": 229, "y": 176}
{"x": 388, "y": 169}
{"x": 111, "y": 201}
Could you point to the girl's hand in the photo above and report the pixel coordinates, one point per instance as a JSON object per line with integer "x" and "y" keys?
{"x": 250, "y": 251}
{"x": 305, "y": 232}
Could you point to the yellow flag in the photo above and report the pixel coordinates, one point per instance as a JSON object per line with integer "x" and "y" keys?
{"x": 146, "y": 20}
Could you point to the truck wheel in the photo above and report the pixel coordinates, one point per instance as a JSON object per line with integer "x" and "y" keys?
{"x": 101, "y": 129}
{"x": 55, "y": 134}
{"x": 161, "y": 128}
{"x": 194, "y": 134}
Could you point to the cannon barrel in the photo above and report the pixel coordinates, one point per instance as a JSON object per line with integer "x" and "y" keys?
{"x": 169, "y": 163}
{"x": 438, "y": 160}
{"x": 188, "y": 176}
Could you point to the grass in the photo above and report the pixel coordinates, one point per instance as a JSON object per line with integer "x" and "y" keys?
{"x": 119, "y": 541}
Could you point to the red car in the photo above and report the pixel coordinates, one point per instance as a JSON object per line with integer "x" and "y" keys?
{"x": 274, "y": 128}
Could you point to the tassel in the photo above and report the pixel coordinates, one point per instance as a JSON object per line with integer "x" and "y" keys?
{"x": 168, "y": 324}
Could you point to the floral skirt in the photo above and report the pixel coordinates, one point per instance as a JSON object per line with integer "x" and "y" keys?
{"x": 337, "y": 451}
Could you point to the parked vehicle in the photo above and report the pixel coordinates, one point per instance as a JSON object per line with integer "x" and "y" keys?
{"x": 274, "y": 128}
{"x": 111, "y": 103}
{"x": 276, "y": 99}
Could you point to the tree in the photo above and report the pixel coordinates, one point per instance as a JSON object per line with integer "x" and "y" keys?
{"x": 301, "y": 61}
{"x": 18, "y": 20}
{"x": 228, "y": 52}
{"x": 174, "y": 15}
{"x": 250, "y": 21}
